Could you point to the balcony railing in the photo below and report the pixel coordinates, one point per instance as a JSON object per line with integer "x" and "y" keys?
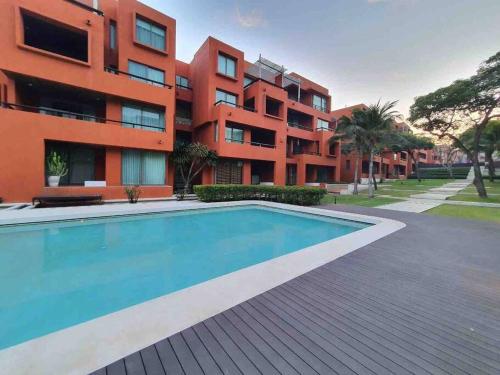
{"x": 303, "y": 127}
{"x": 183, "y": 121}
{"x": 73, "y": 115}
{"x": 258, "y": 144}
{"x": 302, "y": 152}
{"x": 319, "y": 108}
{"x": 138, "y": 78}
{"x": 183, "y": 87}
{"x": 234, "y": 105}
{"x": 87, "y": 7}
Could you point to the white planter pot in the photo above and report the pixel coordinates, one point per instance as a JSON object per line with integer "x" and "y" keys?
{"x": 54, "y": 181}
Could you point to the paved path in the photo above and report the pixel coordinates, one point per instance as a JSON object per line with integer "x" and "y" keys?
{"x": 430, "y": 199}
{"x": 424, "y": 300}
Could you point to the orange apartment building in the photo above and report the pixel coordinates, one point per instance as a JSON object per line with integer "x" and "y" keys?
{"x": 98, "y": 83}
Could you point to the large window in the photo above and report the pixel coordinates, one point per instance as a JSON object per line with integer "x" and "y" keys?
{"x": 143, "y": 117}
{"x": 143, "y": 167}
{"x": 84, "y": 163}
{"x": 182, "y": 82}
{"x": 226, "y": 65}
{"x": 149, "y": 75}
{"x": 226, "y": 98}
{"x": 150, "y": 34}
{"x": 54, "y": 37}
{"x": 319, "y": 102}
{"x": 234, "y": 135}
{"x": 322, "y": 124}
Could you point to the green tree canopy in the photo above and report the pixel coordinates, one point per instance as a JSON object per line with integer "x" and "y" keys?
{"x": 190, "y": 159}
{"x": 465, "y": 104}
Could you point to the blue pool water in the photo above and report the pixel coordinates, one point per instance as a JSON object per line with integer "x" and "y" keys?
{"x": 60, "y": 274}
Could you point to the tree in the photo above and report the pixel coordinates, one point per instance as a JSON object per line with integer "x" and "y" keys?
{"x": 350, "y": 133}
{"x": 376, "y": 122}
{"x": 465, "y": 104}
{"x": 489, "y": 143}
{"x": 411, "y": 143}
{"x": 190, "y": 159}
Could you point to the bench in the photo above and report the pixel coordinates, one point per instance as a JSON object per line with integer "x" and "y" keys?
{"x": 66, "y": 200}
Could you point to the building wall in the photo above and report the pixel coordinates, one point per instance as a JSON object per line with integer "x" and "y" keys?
{"x": 23, "y": 134}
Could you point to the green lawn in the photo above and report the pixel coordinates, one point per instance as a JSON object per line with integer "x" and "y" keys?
{"x": 405, "y": 188}
{"x": 470, "y": 194}
{"x": 358, "y": 200}
{"x": 467, "y": 212}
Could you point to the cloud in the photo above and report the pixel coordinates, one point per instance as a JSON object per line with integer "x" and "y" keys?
{"x": 252, "y": 19}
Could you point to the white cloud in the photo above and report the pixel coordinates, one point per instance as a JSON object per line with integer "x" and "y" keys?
{"x": 252, "y": 19}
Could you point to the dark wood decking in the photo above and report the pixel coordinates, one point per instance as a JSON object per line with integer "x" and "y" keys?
{"x": 425, "y": 300}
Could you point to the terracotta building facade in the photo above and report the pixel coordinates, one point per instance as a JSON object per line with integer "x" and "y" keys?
{"x": 98, "y": 83}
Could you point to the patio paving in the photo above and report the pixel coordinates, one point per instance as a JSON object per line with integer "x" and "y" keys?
{"x": 424, "y": 300}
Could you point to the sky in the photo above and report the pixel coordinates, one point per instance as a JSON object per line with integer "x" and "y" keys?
{"x": 361, "y": 50}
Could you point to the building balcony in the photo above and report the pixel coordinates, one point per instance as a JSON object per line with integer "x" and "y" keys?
{"x": 48, "y": 123}
{"x": 247, "y": 150}
{"x": 182, "y": 121}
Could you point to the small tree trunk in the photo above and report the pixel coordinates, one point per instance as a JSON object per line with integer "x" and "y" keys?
{"x": 375, "y": 182}
{"x": 356, "y": 164}
{"x": 371, "y": 193}
{"x": 491, "y": 165}
{"x": 478, "y": 178}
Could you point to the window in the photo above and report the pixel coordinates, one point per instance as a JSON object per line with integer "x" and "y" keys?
{"x": 216, "y": 131}
{"x": 234, "y": 135}
{"x": 112, "y": 34}
{"x": 348, "y": 165}
{"x": 322, "y": 125}
{"x": 143, "y": 167}
{"x": 150, "y": 34}
{"x": 226, "y": 98}
{"x": 142, "y": 117}
{"x": 182, "y": 82}
{"x": 229, "y": 172}
{"x": 247, "y": 81}
{"x": 226, "y": 65}
{"x": 151, "y": 75}
{"x": 319, "y": 102}
{"x": 55, "y": 38}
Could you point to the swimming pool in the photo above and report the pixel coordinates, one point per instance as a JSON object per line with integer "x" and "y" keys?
{"x": 59, "y": 274}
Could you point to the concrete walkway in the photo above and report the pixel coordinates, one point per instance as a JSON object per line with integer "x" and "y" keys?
{"x": 435, "y": 197}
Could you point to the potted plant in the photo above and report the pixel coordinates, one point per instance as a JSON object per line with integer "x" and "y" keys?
{"x": 133, "y": 193}
{"x": 56, "y": 168}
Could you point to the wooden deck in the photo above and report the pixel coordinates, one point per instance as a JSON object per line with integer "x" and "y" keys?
{"x": 425, "y": 300}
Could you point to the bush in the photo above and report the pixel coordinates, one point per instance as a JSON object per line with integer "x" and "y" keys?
{"x": 133, "y": 193}
{"x": 301, "y": 195}
{"x": 441, "y": 172}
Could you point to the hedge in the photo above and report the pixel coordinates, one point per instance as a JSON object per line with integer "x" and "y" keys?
{"x": 430, "y": 173}
{"x": 301, "y": 195}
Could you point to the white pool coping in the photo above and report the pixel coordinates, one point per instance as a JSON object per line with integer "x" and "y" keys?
{"x": 88, "y": 346}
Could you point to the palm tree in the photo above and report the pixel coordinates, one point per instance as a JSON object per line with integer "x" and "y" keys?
{"x": 350, "y": 133}
{"x": 376, "y": 121}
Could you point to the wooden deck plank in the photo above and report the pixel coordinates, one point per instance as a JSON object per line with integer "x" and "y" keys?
{"x": 152, "y": 362}
{"x": 408, "y": 303}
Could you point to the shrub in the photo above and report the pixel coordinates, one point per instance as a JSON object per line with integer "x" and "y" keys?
{"x": 133, "y": 193}
{"x": 301, "y": 195}
{"x": 431, "y": 173}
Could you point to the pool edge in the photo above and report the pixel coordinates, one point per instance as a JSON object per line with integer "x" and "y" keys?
{"x": 74, "y": 349}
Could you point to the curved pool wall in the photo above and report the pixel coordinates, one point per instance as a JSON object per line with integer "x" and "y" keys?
{"x": 59, "y": 274}
{"x": 88, "y": 346}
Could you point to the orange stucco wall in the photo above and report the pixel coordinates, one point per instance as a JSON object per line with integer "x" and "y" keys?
{"x": 23, "y": 134}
